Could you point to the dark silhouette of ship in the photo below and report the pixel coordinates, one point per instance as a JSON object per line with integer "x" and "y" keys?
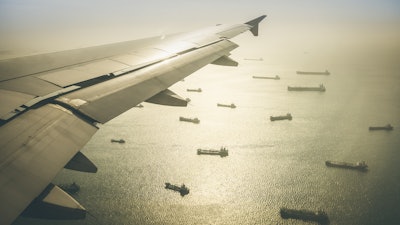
{"x": 254, "y": 59}
{"x": 183, "y": 190}
{"x": 232, "y": 106}
{"x": 121, "y": 141}
{"x": 319, "y": 216}
{"x": 286, "y": 117}
{"x": 326, "y": 72}
{"x": 387, "y": 127}
{"x": 222, "y": 152}
{"x": 194, "y": 90}
{"x": 362, "y": 165}
{"x": 321, "y": 88}
{"x": 271, "y": 78}
{"x": 192, "y": 120}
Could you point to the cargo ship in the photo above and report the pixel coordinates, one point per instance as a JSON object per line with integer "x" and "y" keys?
{"x": 192, "y": 120}
{"x": 194, "y": 90}
{"x": 222, "y": 152}
{"x": 232, "y": 106}
{"x": 321, "y": 88}
{"x": 387, "y": 127}
{"x": 254, "y": 59}
{"x": 121, "y": 141}
{"x": 357, "y": 166}
{"x": 183, "y": 190}
{"x": 326, "y": 72}
{"x": 271, "y": 78}
{"x": 286, "y": 117}
{"x": 319, "y": 216}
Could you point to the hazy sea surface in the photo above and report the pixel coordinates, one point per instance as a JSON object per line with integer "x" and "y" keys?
{"x": 270, "y": 164}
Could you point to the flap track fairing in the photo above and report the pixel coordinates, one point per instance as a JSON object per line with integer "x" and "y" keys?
{"x": 55, "y": 204}
{"x": 225, "y": 61}
{"x": 167, "y": 97}
{"x": 81, "y": 163}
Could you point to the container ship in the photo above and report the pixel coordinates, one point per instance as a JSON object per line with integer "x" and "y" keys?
{"x": 357, "y": 166}
{"x": 319, "y": 216}
{"x": 326, "y": 72}
{"x": 321, "y": 88}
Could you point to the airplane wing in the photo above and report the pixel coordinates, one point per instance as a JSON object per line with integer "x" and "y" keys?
{"x": 50, "y": 105}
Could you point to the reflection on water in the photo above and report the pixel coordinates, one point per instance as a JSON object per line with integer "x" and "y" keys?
{"x": 270, "y": 164}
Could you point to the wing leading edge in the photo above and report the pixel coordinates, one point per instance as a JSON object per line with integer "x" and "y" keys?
{"x": 49, "y": 111}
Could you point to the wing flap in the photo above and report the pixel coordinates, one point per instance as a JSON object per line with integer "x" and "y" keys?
{"x": 11, "y": 100}
{"x": 34, "y": 147}
{"x": 29, "y": 85}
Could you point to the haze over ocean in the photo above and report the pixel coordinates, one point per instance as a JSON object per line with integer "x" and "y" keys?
{"x": 270, "y": 164}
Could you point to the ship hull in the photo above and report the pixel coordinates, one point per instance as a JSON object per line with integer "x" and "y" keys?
{"x": 346, "y": 165}
{"x": 212, "y": 152}
{"x": 182, "y": 189}
{"x": 270, "y": 78}
{"x": 306, "y": 89}
{"x": 287, "y": 117}
{"x": 313, "y": 73}
{"x": 388, "y": 128}
{"x": 306, "y": 215}
{"x": 195, "y": 120}
{"x": 232, "y": 106}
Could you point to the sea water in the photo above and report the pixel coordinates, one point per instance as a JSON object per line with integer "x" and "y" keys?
{"x": 270, "y": 164}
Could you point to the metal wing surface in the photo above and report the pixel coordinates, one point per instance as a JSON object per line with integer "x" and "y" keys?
{"x": 50, "y": 105}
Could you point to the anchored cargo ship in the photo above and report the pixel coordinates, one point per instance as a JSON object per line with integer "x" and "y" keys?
{"x": 121, "y": 141}
{"x": 321, "y": 88}
{"x": 387, "y": 127}
{"x": 194, "y": 90}
{"x": 227, "y": 105}
{"x": 326, "y": 72}
{"x": 271, "y": 78}
{"x": 286, "y": 117}
{"x": 222, "y": 152}
{"x": 358, "y": 166}
{"x": 183, "y": 190}
{"x": 254, "y": 59}
{"x": 319, "y": 216}
{"x": 192, "y": 120}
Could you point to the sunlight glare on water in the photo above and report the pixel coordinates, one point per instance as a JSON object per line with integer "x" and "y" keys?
{"x": 270, "y": 164}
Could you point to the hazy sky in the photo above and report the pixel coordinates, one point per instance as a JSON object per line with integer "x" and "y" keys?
{"x": 363, "y": 27}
